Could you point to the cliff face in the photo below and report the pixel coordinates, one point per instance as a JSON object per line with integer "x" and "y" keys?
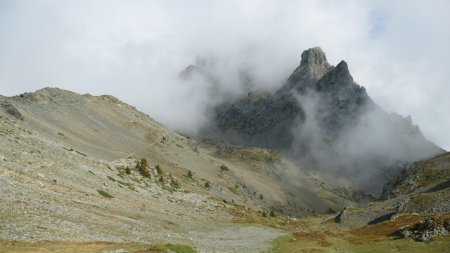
{"x": 326, "y": 121}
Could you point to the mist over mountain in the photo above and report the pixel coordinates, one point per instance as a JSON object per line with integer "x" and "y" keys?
{"x": 322, "y": 119}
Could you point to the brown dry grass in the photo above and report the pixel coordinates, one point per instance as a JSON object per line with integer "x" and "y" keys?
{"x": 381, "y": 231}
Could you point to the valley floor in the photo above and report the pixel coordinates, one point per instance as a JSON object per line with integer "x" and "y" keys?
{"x": 308, "y": 235}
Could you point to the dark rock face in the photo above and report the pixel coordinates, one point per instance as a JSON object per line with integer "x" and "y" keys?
{"x": 341, "y": 216}
{"x": 326, "y": 121}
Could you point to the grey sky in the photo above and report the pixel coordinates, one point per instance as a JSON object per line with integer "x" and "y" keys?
{"x": 133, "y": 50}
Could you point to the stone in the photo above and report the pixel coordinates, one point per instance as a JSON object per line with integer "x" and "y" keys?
{"x": 341, "y": 216}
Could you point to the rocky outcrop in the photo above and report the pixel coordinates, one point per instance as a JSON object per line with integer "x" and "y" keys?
{"x": 341, "y": 216}
{"x": 424, "y": 231}
{"x": 427, "y": 176}
{"x": 313, "y": 66}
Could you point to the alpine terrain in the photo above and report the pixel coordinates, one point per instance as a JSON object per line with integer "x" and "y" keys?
{"x": 312, "y": 166}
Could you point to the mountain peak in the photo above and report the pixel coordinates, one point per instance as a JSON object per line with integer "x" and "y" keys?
{"x": 313, "y": 66}
{"x": 314, "y": 57}
{"x": 337, "y": 78}
{"x": 342, "y": 70}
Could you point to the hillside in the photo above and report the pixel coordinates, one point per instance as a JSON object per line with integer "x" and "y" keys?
{"x": 70, "y": 171}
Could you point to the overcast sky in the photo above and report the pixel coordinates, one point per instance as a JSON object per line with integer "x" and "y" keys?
{"x": 398, "y": 50}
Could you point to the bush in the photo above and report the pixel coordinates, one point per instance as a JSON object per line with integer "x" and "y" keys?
{"x": 174, "y": 183}
{"x": 272, "y": 214}
{"x": 261, "y": 196}
{"x": 128, "y": 170}
{"x": 189, "y": 174}
{"x": 158, "y": 169}
{"x": 207, "y": 184}
{"x": 142, "y": 166}
{"x": 264, "y": 214}
{"x": 223, "y": 167}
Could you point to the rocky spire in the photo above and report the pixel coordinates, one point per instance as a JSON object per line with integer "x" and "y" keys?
{"x": 337, "y": 78}
{"x": 313, "y": 66}
{"x": 314, "y": 58}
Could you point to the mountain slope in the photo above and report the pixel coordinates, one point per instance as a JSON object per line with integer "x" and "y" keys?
{"x": 422, "y": 189}
{"x": 71, "y": 170}
{"x": 322, "y": 119}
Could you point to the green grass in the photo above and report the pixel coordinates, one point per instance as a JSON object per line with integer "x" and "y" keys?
{"x": 123, "y": 183}
{"x": 168, "y": 188}
{"x": 111, "y": 178}
{"x": 105, "y": 194}
{"x": 177, "y": 248}
{"x": 89, "y": 247}
{"x": 322, "y": 243}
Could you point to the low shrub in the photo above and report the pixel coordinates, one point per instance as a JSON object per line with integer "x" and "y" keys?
{"x": 158, "y": 169}
{"x": 142, "y": 167}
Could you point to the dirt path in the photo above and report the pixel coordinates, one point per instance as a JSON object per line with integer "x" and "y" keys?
{"x": 236, "y": 239}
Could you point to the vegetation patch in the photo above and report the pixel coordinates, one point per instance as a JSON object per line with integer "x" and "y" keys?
{"x": 105, "y": 194}
{"x": 174, "y": 183}
{"x": 111, "y": 178}
{"x": 123, "y": 183}
{"x": 142, "y": 167}
{"x": 233, "y": 189}
{"x": 190, "y": 175}
{"x": 177, "y": 248}
{"x": 159, "y": 169}
{"x": 369, "y": 239}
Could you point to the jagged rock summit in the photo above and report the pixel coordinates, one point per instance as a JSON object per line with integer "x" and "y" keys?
{"x": 326, "y": 121}
{"x": 313, "y": 66}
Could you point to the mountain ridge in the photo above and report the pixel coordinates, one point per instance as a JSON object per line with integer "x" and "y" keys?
{"x": 319, "y": 114}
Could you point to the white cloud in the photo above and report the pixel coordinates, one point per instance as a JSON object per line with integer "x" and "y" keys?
{"x": 134, "y": 49}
